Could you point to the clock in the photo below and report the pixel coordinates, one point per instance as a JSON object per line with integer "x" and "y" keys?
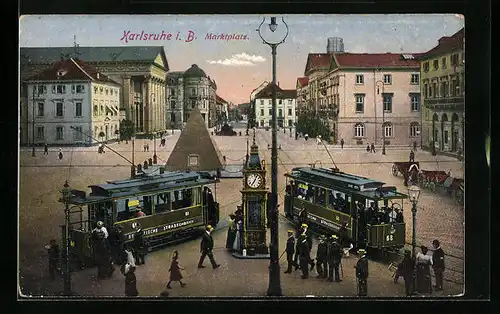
{"x": 254, "y": 180}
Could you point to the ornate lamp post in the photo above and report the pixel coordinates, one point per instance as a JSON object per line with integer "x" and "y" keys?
{"x": 383, "y": 116}
{"x": 66, "y": 196}
{"x": 274, "y": 288}
{"x": 132, "y": 168}
{"x": 414, "y": 193}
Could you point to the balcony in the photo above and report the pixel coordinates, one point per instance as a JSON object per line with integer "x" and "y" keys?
{"x": 455, "y": 102}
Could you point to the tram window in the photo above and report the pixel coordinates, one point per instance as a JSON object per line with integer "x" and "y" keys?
{"x": 196, "y": 196}
{"x": 147, "y": 205}
{"x": 162, "y": 202}
{"x": 187, "y": 197}
{"x": 319, "y": 196}
{"x": 103, "y": 212}
{"x": 178, "y": 200}
{"x": 301, "y": 190}
{"x": 331, "y": 199}
{"x": 310, "y": 194}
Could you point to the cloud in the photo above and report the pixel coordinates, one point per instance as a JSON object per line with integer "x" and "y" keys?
{"x": 240, "y": 59}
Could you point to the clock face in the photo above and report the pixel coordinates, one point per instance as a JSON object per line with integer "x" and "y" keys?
{"x": 254, "y": 180}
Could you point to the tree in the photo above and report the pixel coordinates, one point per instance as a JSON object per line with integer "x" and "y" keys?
{"x": 127, "y": 130}
{"x": 313, "y": 126}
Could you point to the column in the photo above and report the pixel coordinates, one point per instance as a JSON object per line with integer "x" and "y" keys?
{"x": 126, "y": 96}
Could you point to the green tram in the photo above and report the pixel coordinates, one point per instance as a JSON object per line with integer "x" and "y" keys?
{"x": 177, "y": 205}
{"x": 326, "y": 199}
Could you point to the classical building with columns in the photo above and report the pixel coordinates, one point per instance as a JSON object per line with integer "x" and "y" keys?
{"x": 187, "y": 90}
{"x": 140, "y": 71}
{"x": 443, "y": 90}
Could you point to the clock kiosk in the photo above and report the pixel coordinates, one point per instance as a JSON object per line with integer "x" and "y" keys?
{"x": 254, "y": 198}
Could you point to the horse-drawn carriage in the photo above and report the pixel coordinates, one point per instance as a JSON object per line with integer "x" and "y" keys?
{"x": 409, "y": 170}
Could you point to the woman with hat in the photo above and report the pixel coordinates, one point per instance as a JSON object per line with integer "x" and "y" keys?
{"x": 424, "y": 261}
{"x": 175, "y": 270}
{"x": 231, "y": 232}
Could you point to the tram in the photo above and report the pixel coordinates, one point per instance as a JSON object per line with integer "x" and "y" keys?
{"x": 177, "y": 205}
{"x": 327, "y": 199}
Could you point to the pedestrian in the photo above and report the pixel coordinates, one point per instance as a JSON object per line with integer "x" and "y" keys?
{"x": 412, "y": 156}
{"x": 306, "y": 234}
{"x": 101, "y": 251}
{"x": 46, "y": 149}
{"x": 53, "y": 251}
{"x": 368, "y": 148}
{"x": 306, "y": 136}
{"x": 321, "y": 257}
{"x": 131, "y": 283}
{"x": 140, "y": 246}
{"x": 304, "y": 256}
{"x": 290, "y": 250}
{"x": 344, "y": 240}
{"x": 362, "y": 273}
{"x": 175, "y": 271}
{"x": 206, "y": 247}
{"x": 237, "y": 244}
{"x": 145, "y": 145}
{"x": 405, "y": 269}
{"x": 372, "y": 148}
{"x": 438, "y": 264}
{"x": 117, "y": 241}
{"x": 296, "y": 135}
{"x": 60, "y": 155}
{"x": 318, "y": 140}
{"x": 415, "y": 145}
{"x": 342, "y": 143}
{"x": 139, "y": 213}
{"x": 231, "y": 232}
{"x": 334, "y": 257}
{"x": 424, "y": 261}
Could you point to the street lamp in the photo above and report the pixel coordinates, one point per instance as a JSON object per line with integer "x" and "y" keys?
{"x": 155, "y": 158}
{"x": 132, "y": 168}
{"x": 66, "y": 196}
{"x": 383, "y": 116}
{"x": 33, "y": 121}
{"x": 414, "y": 193}
{"x": 274, "y": 288}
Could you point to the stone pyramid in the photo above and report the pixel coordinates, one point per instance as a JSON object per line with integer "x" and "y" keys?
{"x": 195, "y": 149}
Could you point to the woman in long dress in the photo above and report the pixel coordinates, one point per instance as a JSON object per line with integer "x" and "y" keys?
{"x": 237, "y": 240}
{"x": 424, "y": 261}
{"x": 231, "y": 232}
{"x": 175, "y": 271}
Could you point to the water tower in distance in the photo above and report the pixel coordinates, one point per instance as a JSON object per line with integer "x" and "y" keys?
{"x": 335, "y": 45}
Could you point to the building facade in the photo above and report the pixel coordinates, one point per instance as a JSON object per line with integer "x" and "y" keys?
{"x": 364, "y": 98}
{"x": 443, "y": 89}
{"x": 71, "y": 103}
{"x": 221, "y": 110}
{"x": 141, "y": 72}
{"x": 187, "y": 90}
{"x": 286, "y": 107}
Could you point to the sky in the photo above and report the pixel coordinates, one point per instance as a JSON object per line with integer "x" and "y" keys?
{"x": 241, "y": 64}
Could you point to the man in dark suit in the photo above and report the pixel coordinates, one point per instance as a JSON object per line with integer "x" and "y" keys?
{"x": 438, "y": 264}
{"x": 290, "y": 250}
{"x": 362, "y": 273}
{"x": 207, "y": 245}
{"x": 304, "y": 256}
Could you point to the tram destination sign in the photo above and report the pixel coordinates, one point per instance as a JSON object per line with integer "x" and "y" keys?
{"x": 321, "y": 221}
{"x": 170, "y": 226}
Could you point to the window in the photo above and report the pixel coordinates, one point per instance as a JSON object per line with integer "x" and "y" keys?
{"x": 290, "y": 102}
{"x": 262, "y": 123}
{"x": 388, "y": 130}
{"x": 59, "y": 89}
{"x": 426, "y": 66}
{"x": 290, "y": 123}
{"x": 414, "y": 129}
{"x": 40, "y": 89}
{"x": 96, "y": 110}
{"x": 172, "y": 104}
{"x": 193, "y": 103}
{"x": 40, "y": 133}
{"x": 78, "y": 133}
{"x": 261, "y": 112}
{"x": 59, "y": 109}
{"x": 360, "y": 79}
{"x": 444, "y": 89}
{"x": 262, "y": 102}
{"x": 193, "y": 160}
{"x": 269, "y": 123}
{"x": 434, "y": 89}
{"x": 101, "y": 90}
{"x": 415, "y": 103}
{"x": 280, "y": 101}
{"x": 59, "y": 133}
{"x": 387, "y": 79}
{"x": 193, "y": 91}
{"x": 270, "y": 111}
{"x": 289, "y": 111}
{"x": 426, "y": 86}
{"x": 443, "y": 63}
{"x": 78, "y": 109}
{"x": 387, "y": 103}
{"x": 280, "y": 113}
{"x": 445, "y": 136}
{"x": 172, "y": 92}
{"x": 41, "y": 110}
{"x": 359, "y": 130}
{"x": 106, "y": 90}
{"x": 454, "y": 59}
{"x": 435, "y": 64}
{"x": 415, "y": 79}
{"x": 360, "y": 103}
{"x": 111, "y": 91}
{"x": 95, "y": 89}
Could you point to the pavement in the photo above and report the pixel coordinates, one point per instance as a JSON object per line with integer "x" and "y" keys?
{"x": 42, "y": 177}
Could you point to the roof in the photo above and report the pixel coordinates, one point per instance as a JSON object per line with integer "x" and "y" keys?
{"x": 302, "y": 81}
{"x": 71, "y": 70}
{"x": 376, "y": 60}
{"x": 49, "y": 55}
{"x": 220, "y": 99}
{"x": 194, "y": 71}
{"x": 195, "y": 139}
{"x": 267, "y": 92}
{"x": 446, "y": 45}
{"x": 316, "y": 61}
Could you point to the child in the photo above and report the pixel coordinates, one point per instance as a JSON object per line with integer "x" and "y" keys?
{"x": 175, "y": 271}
